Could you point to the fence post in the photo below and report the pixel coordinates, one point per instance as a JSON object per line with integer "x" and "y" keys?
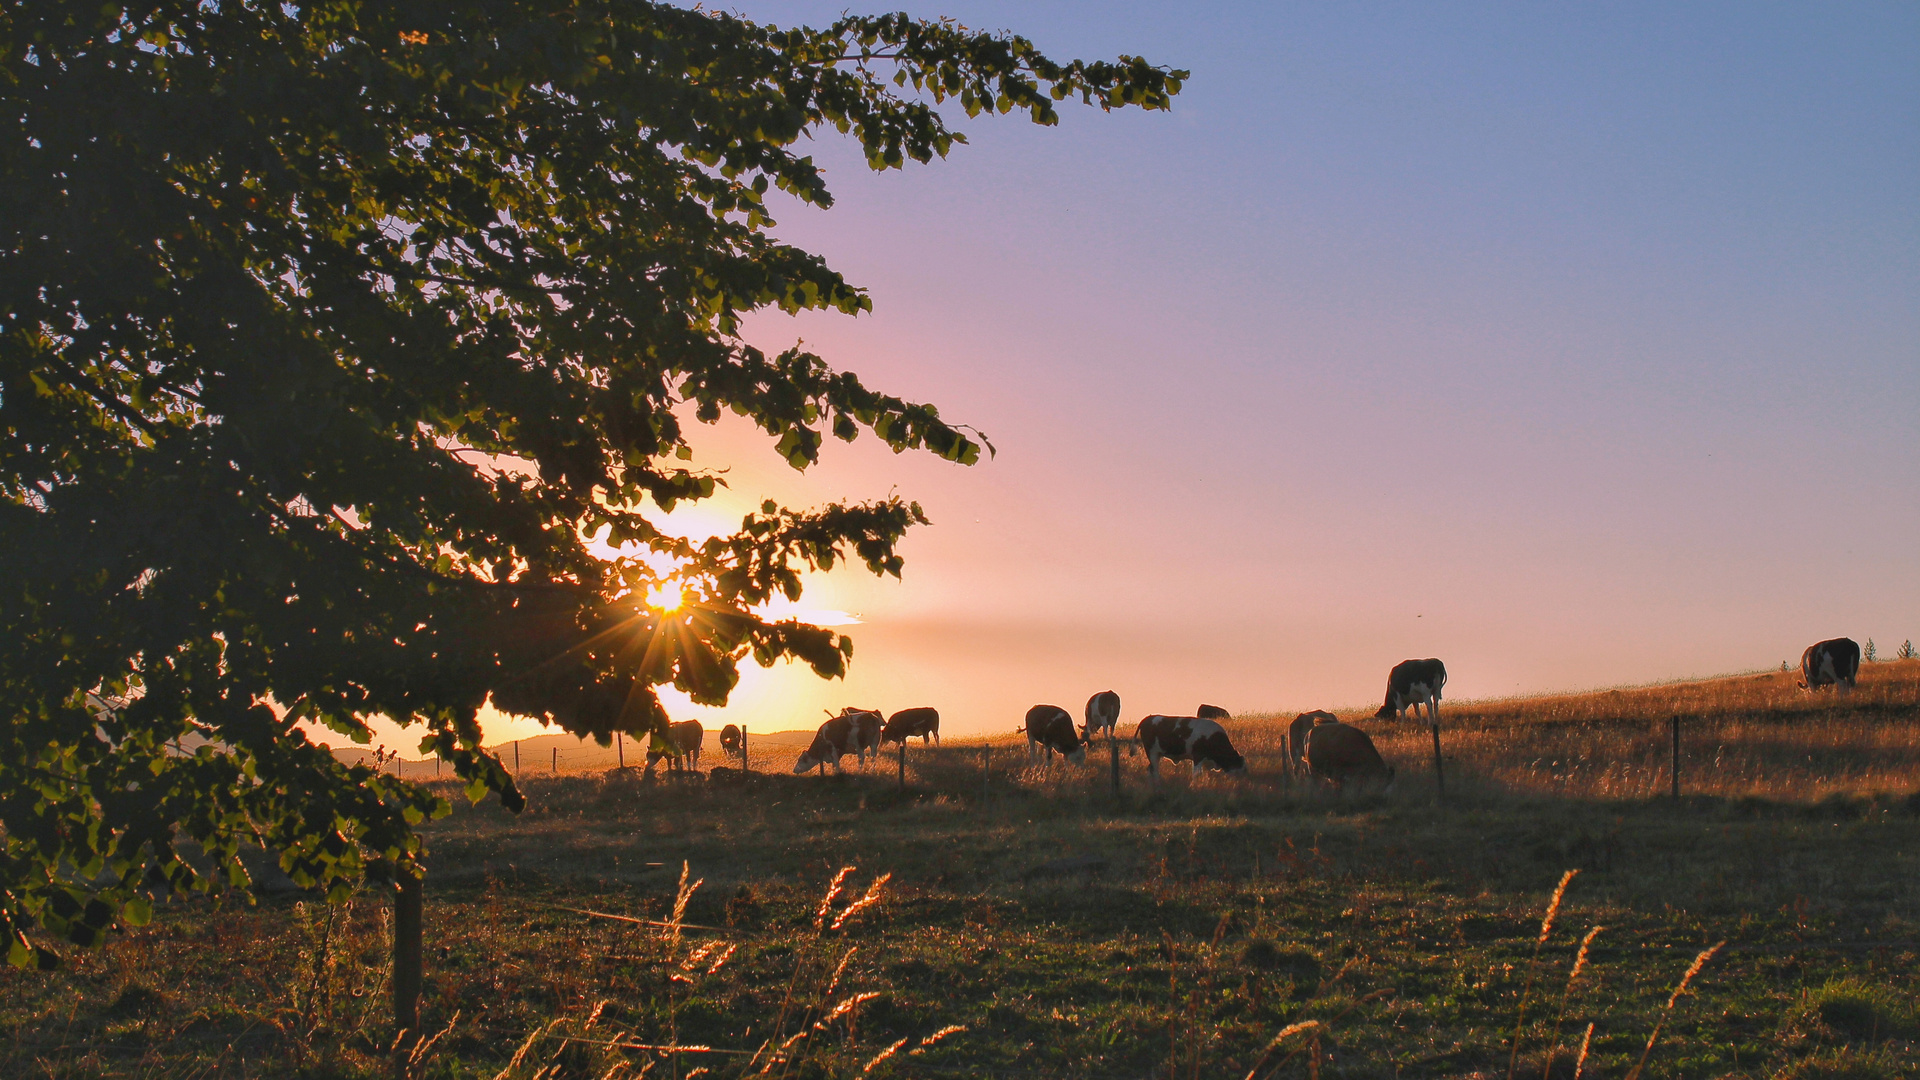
{"x": 516, "y": 759}
{"x": 406, "y": 950}
{"x": 986, "y": 768}
{"x": 744, "y": 767}
{"x": 1676, "y": 756}
{"x": 1439, "y": 773}
{"x": 620, "y": 749}
{"x": 1113, "y": 749}
{"x": 903, "y": 762}
{"x": 556, "y": 760}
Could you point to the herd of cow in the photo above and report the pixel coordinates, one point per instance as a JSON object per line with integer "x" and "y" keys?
{"x": 1318, "y": 743}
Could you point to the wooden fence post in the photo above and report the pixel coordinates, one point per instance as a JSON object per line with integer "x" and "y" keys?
{"x": 903, "y": 763}
{"x": 406, "y": 950}
{"x": 1439, "y": 773}
{"x": 744, "y": 767}
{"x": 556, "y": 760}
{"x": 516, "y": 759}
{"x": 1676, "y": 756}
{"x": 620, "y": 748}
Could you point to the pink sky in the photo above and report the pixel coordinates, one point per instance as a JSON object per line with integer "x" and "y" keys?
{"x": 1576, "y": 350}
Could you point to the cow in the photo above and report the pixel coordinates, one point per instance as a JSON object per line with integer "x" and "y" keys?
{"x": 1338, "y": 753}
{"x": 1050, "y": 728}
{"x": 1410, "y": 683}
{"x": 1834, "y": 663}
{"x": 854, "y": 731}
{"x": 1196, "y": 739}
{"x": 732, "y": 739}
{"x": 1297, "y": 734}
{"x": 1103, "y": 713}
{"x": 1212, "y": 712}
{"x": 679, "y": 746}
{"x": 906, "y": 723}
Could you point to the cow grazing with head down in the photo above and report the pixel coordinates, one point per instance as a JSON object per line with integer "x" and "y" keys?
{"x": 1297, "y": 734}
{"x": 1195, "y": 739}
{"x": 1410, "y": 684}
{"x": 1834, "y": 663}
{"x": 907, "y": 723}
{"x": 679, "y": 746}
{"x": 1103, "y": 712}
{"x": 1050, "y": 728}
{"x": 1341, "y": 753}
{"x": 854, "y": 731}
{"x": 731, "y": 740}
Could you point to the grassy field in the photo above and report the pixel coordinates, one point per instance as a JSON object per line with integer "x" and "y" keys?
{"x": 1170, "y": 932}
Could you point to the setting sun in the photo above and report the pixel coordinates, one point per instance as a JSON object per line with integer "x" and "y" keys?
{"x": 666, "y": 597}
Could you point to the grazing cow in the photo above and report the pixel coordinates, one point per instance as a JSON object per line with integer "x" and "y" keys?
{"x": 1410, "y": 683}
{"x": 679, "y": 746}
{"x": 731, "y": 740}
{"x": 1196, "y": 739}
{"x": 1833, "y": 663}
{"x": 1103, "y": 712}
{"x": 906, "y": 723}
{"x": 1297, "y": 734}
{"x": 1050, "y": 728}
{"x": 854, "y": 731}
{"x": 1212, "y": 712}
{"x": 1338, "y": 753}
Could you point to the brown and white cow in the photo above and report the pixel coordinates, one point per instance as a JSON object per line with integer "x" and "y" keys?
{"x": 1103, "y": 713}
{"x": 1050, "y": 728}
{"x": 1297, "y": 734}
{"x": 1341, "y": 753}
{"x": 907, "y": 723}
{"x": 1834, "y": 663}
{"x": 854, "y": 731}
{"x": 1195, "y": 739}
{"x": 1410, "y": 684}
{"x": 680, "y": 747}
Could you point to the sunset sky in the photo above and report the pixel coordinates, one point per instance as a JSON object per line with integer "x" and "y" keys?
{"x": 1576, "y": 347}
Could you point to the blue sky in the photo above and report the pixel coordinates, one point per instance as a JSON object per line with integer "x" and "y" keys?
{"x": 1574, "y": 345}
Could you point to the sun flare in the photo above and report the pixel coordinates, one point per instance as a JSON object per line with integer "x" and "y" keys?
{"x": 666, "y": 597}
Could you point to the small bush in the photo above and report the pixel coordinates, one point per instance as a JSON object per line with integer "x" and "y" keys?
{"x": 1861, "y": 1011}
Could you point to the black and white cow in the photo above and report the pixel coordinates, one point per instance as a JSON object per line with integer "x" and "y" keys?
{"x": 1194, "y": 739}
{"x": 1341, "y": 753}
{"x": 1410, "y": 684}
{"x": 1212, "y": 712}
{"x": 1834, "y": 663}
{"x": 1050, "y": 728}
{"x": 907, "y": 723}
{"x": 680, "y": 746}
{"x": 1297, "y": 734}
{"x": 854, "y": 731}
{"x": 1103, "y": 712}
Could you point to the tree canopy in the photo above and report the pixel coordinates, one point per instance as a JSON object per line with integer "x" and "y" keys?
{"x": 329, "y": 335}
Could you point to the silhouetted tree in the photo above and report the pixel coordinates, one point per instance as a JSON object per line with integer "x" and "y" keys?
{"x": 328, "y": 334}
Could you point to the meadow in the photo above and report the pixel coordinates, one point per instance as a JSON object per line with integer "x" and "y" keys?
{"x": 1015, "y": 921}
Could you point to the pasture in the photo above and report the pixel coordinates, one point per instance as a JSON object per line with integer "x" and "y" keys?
{"x": 1174, "y": 931}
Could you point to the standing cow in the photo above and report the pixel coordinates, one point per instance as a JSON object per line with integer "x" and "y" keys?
{"x": 1834, "y": 663}
{"x": 1050, "y": 728}
{"x": 1297, "y": 735}
{"x": 854, "y": 731}
{"x": 1410, "y": 684}
{"x": 1340, "y": 753}
{"x": 907, "y": 723}
{"x": 1103, "y": 713}
{"x": 679, "y": 746}
{"x": 1194, "y": 739}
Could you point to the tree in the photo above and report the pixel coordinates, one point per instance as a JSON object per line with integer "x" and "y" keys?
{"x": 330, "y": 332}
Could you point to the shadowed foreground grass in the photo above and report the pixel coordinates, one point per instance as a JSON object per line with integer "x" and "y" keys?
{"x": 1174, "y": 932}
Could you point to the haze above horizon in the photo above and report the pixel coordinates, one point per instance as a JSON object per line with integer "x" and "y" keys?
{"x": 1576, "y": 348}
